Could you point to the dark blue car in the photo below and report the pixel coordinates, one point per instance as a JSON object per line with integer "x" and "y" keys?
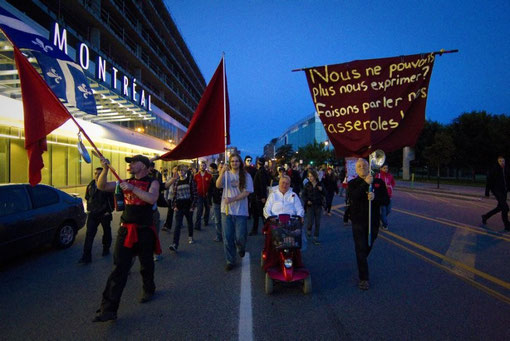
{"x": 35, "y": 216}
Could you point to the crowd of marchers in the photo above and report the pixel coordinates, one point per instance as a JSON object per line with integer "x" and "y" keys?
{"x": 228, "y": 195}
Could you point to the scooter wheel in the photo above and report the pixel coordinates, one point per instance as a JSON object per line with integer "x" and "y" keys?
{"x": 307, "y": 285}
{"x": 269, "y": 284}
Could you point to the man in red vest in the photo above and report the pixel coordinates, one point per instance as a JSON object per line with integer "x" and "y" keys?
{"x": 203, "y": 180}
{"x": 136, "y": 237}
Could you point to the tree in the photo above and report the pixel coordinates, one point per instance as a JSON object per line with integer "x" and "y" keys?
{"x": 440, "y": 152}
{"x": 284, "y": 153}
{"x": 316, "y": 153}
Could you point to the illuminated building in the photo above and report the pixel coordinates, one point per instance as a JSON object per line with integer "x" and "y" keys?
{"x": 145, "y": 82}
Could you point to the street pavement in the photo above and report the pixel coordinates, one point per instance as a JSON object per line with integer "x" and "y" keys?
{"x": 436, "y": 274}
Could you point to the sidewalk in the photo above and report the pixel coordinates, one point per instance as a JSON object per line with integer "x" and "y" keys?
{"x": 445, "y": 190}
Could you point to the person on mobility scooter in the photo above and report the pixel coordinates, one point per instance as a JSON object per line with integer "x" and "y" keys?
{"x": 283, "y": 232}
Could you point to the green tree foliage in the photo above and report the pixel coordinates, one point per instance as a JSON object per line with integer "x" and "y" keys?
{"x": 315, "y": 152}
{"x": 440, "y": 152}
{"x": 284, "y": 153}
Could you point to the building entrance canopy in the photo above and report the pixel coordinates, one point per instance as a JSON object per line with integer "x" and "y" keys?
{"x": 111, "y": 106}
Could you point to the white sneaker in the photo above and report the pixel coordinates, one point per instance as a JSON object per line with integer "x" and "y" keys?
{"x": 157, "y": 258}
{"x": 190, "y": 240}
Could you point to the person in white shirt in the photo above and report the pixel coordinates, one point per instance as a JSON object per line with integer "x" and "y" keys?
{"x": 237, "y": 184}
{"x": 283, "y": 200}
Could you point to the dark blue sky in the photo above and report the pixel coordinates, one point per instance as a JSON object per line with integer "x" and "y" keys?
{"x": 264, "y": 40}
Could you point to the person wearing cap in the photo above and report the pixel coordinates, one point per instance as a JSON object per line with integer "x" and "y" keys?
{"x": 136, "y": 236}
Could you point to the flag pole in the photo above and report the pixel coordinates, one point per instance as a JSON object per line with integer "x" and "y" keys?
{"x": 72, "y": 118}
{"x": 440, "y": 52}
{"x": 225, "y": 126}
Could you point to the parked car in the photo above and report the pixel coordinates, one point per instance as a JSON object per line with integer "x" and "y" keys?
{"x": 35, "y": 216}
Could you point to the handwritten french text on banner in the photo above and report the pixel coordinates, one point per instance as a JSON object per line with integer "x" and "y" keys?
{"x": 372, "y": 104}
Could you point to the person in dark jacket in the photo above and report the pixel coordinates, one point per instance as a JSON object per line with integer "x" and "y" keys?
{"x": 99, "y": 206}
{"x": 185, "y": 198}
{"x": 314, "y": 195}
{"x": 359, "y": 197}
{"x": 330, "y": 183}
{"x": 214, "y": 196}
{"x": 498, "y": 182}
{"x": 260, "y": 183}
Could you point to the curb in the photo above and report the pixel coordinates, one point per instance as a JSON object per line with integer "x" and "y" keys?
{"x": 460, "y": 196}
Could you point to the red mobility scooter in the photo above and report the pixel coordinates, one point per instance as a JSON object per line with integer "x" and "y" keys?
{"x": 281, "y": 256}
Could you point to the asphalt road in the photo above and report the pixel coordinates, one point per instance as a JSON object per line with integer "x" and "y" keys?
{"x": 435, "y": 275}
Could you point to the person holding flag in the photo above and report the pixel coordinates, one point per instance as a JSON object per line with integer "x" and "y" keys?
{"x": 136, "y": 237}
{"x": 359, "y": 195}
{"x": 237, "y": 185}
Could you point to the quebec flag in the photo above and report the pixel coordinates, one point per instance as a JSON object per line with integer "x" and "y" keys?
{"x": 64, "y": 76}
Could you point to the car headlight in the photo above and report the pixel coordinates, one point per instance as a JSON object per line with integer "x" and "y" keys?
{"x": 288, "y": 263}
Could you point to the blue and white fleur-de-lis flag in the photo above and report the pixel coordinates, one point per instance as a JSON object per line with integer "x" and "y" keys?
{"x": 64, "y": 76}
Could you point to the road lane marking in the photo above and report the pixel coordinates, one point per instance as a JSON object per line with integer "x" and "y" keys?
{"x": 461, "y": 248}
{"x": 457, "y": 225}
{"x": 245, "y": 309}
{"x": 480, "y": 286}
{"x": 454, "y": 262}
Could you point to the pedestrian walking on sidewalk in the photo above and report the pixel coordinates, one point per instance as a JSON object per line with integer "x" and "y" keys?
{"x": 498, "y": 182}
{"x": 389, "y": 181}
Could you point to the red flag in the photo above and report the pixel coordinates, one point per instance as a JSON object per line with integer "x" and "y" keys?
{"x": 43, "y": 112}
{"x": 366, "y": 105}
{"x": 206, "y": 132}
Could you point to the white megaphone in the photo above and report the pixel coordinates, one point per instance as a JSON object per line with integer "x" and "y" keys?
{"x": 375, "y": 161}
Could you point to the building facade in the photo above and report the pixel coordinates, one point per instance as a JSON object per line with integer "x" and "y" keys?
{"x": 303, "y": 132}
{"x": 144, "y": 79}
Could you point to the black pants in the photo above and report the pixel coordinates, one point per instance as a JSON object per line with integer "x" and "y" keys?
{"x": 329, "y": 201}
{"x": 360, "y": 235}
{"x": 169, "y": 217}
{"x": 258, "y": 208}
{"x": 123, "y": 260}
{"x": 502, "y": 207}
{"x": 184, "y": 211}
{"x": 93, "y": 222}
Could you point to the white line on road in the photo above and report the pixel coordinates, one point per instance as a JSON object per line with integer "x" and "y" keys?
{"x": 245, "y": 312}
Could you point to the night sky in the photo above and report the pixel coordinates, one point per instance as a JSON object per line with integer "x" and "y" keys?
{"x": 264, "y": 40}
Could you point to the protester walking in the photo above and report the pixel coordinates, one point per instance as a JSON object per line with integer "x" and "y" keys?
{"x": 237, "y": 185}
{"x": 203, "y": 181}
{"x": 99, "y": 206}
{"x": 330, "y": 184}
{"x": 185, "y": 197}
{"x": 359, "y": 196}
{"x": 136, "y": 237}
{"x": 214, "y": 196}
{"x": 314, "y": 196}
{"x": 498, "y": 182}
{"x": 260, "y": 184}
{"x": 389, "y": 181}
{"x": 169, "y": 197}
